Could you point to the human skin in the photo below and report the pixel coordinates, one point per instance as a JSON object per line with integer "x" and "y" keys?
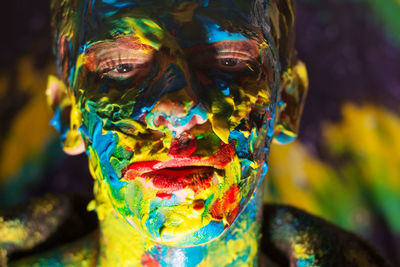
{"x": 175, "y": 103}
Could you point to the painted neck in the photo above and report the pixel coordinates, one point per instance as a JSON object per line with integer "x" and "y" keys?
{"x": 122, "y": 245}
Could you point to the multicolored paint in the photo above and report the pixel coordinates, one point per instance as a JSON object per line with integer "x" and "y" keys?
{"x": 353, "y": 194}
{"x": 175, "y": 104}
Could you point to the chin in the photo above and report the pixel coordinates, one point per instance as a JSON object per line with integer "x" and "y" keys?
{"x": 177, "y": 228}
{"x": 187, "y": 206}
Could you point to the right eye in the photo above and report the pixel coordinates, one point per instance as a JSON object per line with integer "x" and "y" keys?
{"x": 123, "y": 68}
{"x": 122, "y": 59}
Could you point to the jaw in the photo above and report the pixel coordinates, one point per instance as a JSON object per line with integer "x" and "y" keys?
{"x": 186, "y": 217}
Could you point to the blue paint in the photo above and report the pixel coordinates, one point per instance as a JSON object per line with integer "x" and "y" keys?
{"x": 158, "y": 203}
{"x": 226, "y": 91}
{"x": 264, "y": 172}
{"x": 270, "y": 131}
{"x": 56, "y": 123}
{"x": 203, "y": 3}
{"x": 217, "y": 34}
{"x": 241, "y": 146}
{"x": 196, "y": 256}
{"x": 306, "y": 262}
{"x": 210, "y": 231}
{"x": 103, "y": 144}
{"x": 155, "y": 223}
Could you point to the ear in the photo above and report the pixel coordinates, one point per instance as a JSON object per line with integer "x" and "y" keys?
{"x": 67, "y": 117}
{"x": 293, "y": 91}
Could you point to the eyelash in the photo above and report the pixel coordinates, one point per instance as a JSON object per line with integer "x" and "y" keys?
{"x": 233, "y": 61}
{"x": 223, "y": 57}
{"x": 110, "y": 68}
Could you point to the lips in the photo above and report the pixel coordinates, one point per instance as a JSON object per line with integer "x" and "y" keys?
{"x": 174, "y": 179}
{"x": 181, "y": 172}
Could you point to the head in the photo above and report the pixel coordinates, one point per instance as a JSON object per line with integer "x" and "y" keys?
{"x": 176, "y": 104}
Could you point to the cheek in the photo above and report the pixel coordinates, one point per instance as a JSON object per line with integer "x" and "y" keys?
{"x": 250, "y": 116}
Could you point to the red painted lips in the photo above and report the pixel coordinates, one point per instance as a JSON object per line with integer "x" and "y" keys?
{"x": 180, "y": 172}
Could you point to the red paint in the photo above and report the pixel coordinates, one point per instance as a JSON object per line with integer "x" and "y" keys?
{"x": 233, "y": 215}
{"x": 182, "y": 148}
{"x": 198, "y": 205}
{"x": 227, "y": 205}
{"x": 231, "y": 195}
{"x": 217, "y": 211}
{"x": 164, "y": 196}
{"x": 149, "y": 261}
{"x": 137, "y": 168}
{"x": 224, "y": 155}
{"x": 171, "y": 180}
{"x": 177, "y": 173}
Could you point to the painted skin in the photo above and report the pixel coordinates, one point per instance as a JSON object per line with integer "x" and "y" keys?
{"x": 176, "y": 123}
{"x": 126, "y": 110}
{"x": 175, "y": 102}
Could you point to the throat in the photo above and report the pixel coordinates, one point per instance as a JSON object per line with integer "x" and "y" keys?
{"x": 122, "y": 245}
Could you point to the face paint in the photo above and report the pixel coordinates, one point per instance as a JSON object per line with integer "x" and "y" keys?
{"x": 177, "y": 105}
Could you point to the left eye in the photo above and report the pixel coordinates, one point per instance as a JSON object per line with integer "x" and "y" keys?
{"x": 229, "y": 62}
{"x": 124, "y": 70}
{"x": 232, "y": 64}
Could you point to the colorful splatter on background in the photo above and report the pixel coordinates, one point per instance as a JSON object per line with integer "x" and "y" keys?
{"x": 345, "y": 166}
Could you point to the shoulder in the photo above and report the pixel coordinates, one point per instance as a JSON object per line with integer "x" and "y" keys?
{"x": 42, "y": 224}
{"x": 292, "y": 236}
{"x": 83, "y": 252}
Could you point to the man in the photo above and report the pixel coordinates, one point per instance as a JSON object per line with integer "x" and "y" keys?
{"x": 176, "y": 104}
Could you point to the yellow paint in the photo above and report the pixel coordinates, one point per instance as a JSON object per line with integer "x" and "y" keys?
{"x": 301, "y": 72}
{"x": 295, "y": 174}
{"x": 184, "y": 12}
{"x": 220, "y": 127}
{"x": 29, "y": 130}
{"x": 220, "y": 253}
{"x": 12, "y": 232}
{"x": 373, "y": 133}
{"x": 140, "y": 32}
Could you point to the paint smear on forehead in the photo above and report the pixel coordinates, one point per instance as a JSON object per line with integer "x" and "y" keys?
{"x": 143, "y": 30}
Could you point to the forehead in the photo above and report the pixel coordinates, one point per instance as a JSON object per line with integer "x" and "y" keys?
{"x": 184, "y": 20}
{"x": 180, "y": 9}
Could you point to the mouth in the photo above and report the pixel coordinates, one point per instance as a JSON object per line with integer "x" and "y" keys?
{"x": 178, "y": 173}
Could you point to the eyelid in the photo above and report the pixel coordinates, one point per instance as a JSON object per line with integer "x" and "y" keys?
{"x": 120, "y": 51}
{"x": 110, "y": 63}
{"x": 234, "y": 54}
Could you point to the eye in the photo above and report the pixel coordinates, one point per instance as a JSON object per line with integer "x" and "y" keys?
{"x": 119, "y": 71}
{"x": 233, "y": 63}
{"x": 229, "y": 62}
{"x": 122, "y": 70}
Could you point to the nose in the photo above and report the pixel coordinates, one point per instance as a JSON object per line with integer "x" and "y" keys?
{"x": 178, "y": 125}
{"x": 176, "y": 117}
{"x": 177, "y": 107}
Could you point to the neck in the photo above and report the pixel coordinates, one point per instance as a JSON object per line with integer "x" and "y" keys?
{"x": 122, "y": 245}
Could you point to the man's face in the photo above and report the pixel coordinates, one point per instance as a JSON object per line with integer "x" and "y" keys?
{"x": 177, "y": 112}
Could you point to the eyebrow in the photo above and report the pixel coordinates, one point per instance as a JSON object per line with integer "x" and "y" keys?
{"x": 246, "y": 45}
{"x": 128, "y": 42}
